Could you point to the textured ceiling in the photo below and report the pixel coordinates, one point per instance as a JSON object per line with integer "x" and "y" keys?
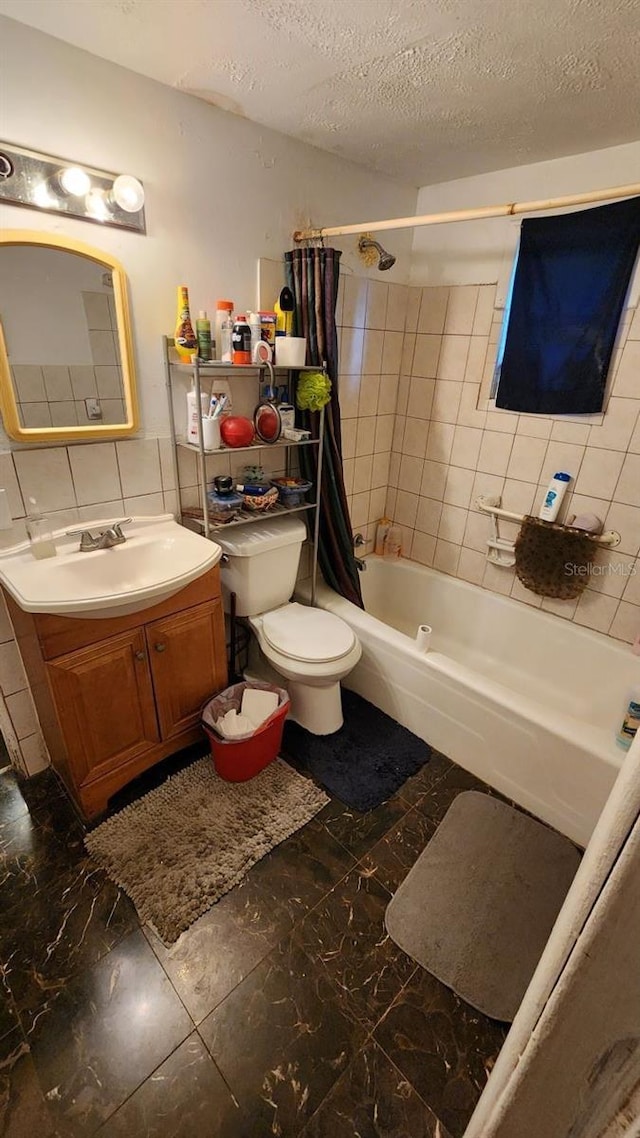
{"x": 422, "y": 90}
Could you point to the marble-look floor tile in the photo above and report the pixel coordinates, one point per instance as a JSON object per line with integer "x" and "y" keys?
{"x": 23, "y": 1110}
{"x": 443, "y": 1046}
{"x": 346, "y": 935}
{"x": 185, "y": 1098}
{"x": 8, "y": 1015}
{"x": 358, "y": 832}
{"x": 43, "y": 945}
{"x": 395, "y": 854}
{"x": 281, "y": 1040}
{"x": 439, "y": 797}
{"x": 12, "y": 803}
{"x": 421, "y": 783}
{"x": 34, "y": 857}
{"x": 373, "y": 1100}
{"x": 103, "y": 1034}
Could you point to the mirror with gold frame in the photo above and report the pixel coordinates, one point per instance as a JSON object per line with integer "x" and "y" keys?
{"x": 66, "y": 353}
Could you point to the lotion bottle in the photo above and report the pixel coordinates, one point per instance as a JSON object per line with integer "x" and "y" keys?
{"x": 630, "y": 723}
{"x": 555, "y": 493}
{"x": 192, "y": 412}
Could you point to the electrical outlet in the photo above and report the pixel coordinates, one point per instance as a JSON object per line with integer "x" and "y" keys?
{"x": 94, "y": 410}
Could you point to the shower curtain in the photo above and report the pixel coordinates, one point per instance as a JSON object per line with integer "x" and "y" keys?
{"x": 312, "y": 276}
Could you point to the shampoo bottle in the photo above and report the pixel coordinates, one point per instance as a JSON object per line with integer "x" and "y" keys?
{"x": 393, "y": 542}
{"x": 203, "y": 332}
{"x": 39, "y": 531}
{"x": 554, "y": 495}
{"x": 185, "y": 338}
{"x": 630, "y": 723}
{"x": 384, "y": 525}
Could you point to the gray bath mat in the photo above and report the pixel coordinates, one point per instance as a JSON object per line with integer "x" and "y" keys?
{"x": 181, "y": 847}
{"x": 477, "y": 908}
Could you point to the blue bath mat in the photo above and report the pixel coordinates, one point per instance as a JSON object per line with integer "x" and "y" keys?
{"x": 363, "y": 763}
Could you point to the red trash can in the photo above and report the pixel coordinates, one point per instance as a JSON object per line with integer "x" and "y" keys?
{"x": 237, "y": 760}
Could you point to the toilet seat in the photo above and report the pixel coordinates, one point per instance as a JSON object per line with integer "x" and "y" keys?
{"x": 307, "y": 634}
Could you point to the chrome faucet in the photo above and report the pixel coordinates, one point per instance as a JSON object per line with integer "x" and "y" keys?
{"x": 106, "y": 539}
{"x": 358, "y": 541}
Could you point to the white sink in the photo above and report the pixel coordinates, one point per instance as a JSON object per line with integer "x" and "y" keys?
{"x": 158, "y": 559}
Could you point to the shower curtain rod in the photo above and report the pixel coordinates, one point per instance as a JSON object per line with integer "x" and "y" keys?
{"x": 471, "y": 214}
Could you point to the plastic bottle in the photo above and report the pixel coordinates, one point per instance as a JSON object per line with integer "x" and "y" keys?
{"x": 630, "y": 723}
{"x": 241, "y": 342}
{"x": 203, "y": 332}
{"x": 185, "y": 338}
{"x": 393, "y": 542}
{"x": 554, "y": 495}
{"x": 253, "y": 319}
{"x": 384, "y": 525}
{"x": 224, "y": 324}
{"x": 39, "y": 531}
{"x": 192, "y": 412}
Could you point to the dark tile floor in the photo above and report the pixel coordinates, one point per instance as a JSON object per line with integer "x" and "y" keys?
{"x": 285, "y": 1010}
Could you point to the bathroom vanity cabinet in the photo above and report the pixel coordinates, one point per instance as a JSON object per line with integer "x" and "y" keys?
{"x": 115, "y": 696}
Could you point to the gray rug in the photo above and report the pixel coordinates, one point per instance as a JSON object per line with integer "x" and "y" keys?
{"x": 184, "y": 845}
{"x": 477, "y": 908}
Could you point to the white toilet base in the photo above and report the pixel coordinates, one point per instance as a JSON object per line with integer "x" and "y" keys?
{"x": 318, "y": 709}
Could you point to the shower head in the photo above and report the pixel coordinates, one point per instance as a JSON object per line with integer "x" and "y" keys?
{"x": 385, "y": 260}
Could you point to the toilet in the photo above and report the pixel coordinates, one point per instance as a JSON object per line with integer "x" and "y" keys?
{"x": 312, "y": 650}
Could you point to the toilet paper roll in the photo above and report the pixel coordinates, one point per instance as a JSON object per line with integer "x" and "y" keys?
{"x": 423, "y": 637}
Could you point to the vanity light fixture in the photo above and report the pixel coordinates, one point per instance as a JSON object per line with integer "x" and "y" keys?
{"x": 42, "y": 181}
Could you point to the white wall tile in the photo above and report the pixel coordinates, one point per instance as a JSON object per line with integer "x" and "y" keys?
{"x": 433, "y": 310}
{"x": 434, "y": 479}
{"x": 468, "y": 413}
{"x": 383, "y": 433}
{"x": 34, "y": 753}
{"x": 167, "y": 470}
{"x": 369, "y": 391}
{"x": 519, "y": 592}
{"x": 599, "y": 473}
{"x": 396, "y": 307}
{"x": 631, "y": 591}
{"x": 452, "y": 361}
{"x": 562, "y": 456}
{"x": 526, "y": 459}
{"x": 349, "y": 395}
{"x": 354, "y": 304}
{"x": 95, "y": 473}
{"x": 440, "y": 442}
{"x": 420, "y": 398}
{"x": 372, "y": 352}
{"x": 477, "y": 531}
{"x": 406, "y": 358}
{"x": 362, "y": 474}
{"x": 471, "y": 566}
{"x": 380, "y": 469}
{"x": 57, "y": 382}
{"x": 406, "y": 509}
{"x": 392, "y": 352}
{"x": 483, "y": 317}
{"x": 415, "y": 437}
{"x": 45, "y": 476}
{"x": 377, "y": 500}
{"x": 446, "y": 401}
{"x": 426, "y": 355}
{"x": 351, "y": 344}
{"x": 144, "y": 505}
{"x": 139, "y": 465}
{"x": 453, "y": 521}
{"x": 29, "y": 383}
{"x": 536, "y": 426}
{"x": 461, "y": 310}
{"x": 459, "y": 486}
{"x": 365, "y": 435}
{"x": 626, "y": 521}
{"x": 377, "y": 293}
{"x": 628, "y": 487}
{"x": 23, "y": 713}
{"x": 83, "y": 381}
{"x": 476, "y": 358}
{"x": 9, "y": 482}
{"x": 410, "y": 476}
{"x": 6, "y": 627}
{"x": 627, "y": 380}
{"x": 388, "y": 394}
{"x": 498, "y": 579}
{"x": 626, "y": 623}
{"x": 595, "y": 610}
{"x": 413, "y": 308}
{"x": 428, "y": 516}
{"x": 446, "y": 557}
{"x": 618, "y": 425}
{"x": 519, "y": 497}
{"x": 610, "y": 572}
{"x": 349, "y": 428}
{"x": 495, "y": 452}
{"x": 12, "y": 673}
{"x": 423, "y": 548}
{"x": 466, "y": 447}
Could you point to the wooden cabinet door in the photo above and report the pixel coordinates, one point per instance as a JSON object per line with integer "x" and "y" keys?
{"x": 104, "y": 699}
{"x": 187, "y": 652}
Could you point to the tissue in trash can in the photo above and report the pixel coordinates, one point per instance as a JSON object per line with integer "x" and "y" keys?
{"x": 234, "y": 726}
{"x": 232, "y": 700}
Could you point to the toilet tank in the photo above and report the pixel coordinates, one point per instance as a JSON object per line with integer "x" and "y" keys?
{"x": 262, "y": 565}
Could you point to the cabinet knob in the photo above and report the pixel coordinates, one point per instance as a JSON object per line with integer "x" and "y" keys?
{"x": 139, "y": 655}
{"x": 160, "y": 647}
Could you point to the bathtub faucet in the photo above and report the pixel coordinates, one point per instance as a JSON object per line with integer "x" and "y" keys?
{"x": 358, "y": 540}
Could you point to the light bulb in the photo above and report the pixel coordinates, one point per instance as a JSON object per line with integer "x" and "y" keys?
{"x": 96, "y": 204}
{"x": 128, "y": 193}
{"x": 75, "y": 181}
{"x": 42, "y": 196}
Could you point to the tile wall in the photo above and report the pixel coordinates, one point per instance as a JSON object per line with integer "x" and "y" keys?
{"x": 450, "y": 445}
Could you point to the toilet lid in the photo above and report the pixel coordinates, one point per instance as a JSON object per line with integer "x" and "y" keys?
{"x": 303, "y": 633}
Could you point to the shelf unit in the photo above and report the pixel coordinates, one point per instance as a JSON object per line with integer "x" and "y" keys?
{"x": 175, "y": 374}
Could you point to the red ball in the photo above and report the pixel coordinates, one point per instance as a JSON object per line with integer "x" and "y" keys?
{"x": 236, "y": 431}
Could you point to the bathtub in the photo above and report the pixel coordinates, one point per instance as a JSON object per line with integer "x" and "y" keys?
{"x": 528, "y": 702}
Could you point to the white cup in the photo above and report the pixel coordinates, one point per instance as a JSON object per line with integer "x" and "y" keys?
{"x": 211, "y": 433}
{"x": 291, "y": 351}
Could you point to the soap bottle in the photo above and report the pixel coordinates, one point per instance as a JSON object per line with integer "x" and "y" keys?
{"x": 630, "y": 723}
{"x": 192, "y": 412}
{"x": 554, "y": 495}
{"x": 224, "y": 325}
{"x": 393, "y": 542}
{"x": 39, "y": 531}
{"x": 384, "y": 525}
{"x": 185, "y": 338}
{"x": 203, "y": 333}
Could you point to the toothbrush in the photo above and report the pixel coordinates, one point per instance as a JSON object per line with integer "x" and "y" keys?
{"x": 220, "y": 406}
{"x": 212, "y": 405}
